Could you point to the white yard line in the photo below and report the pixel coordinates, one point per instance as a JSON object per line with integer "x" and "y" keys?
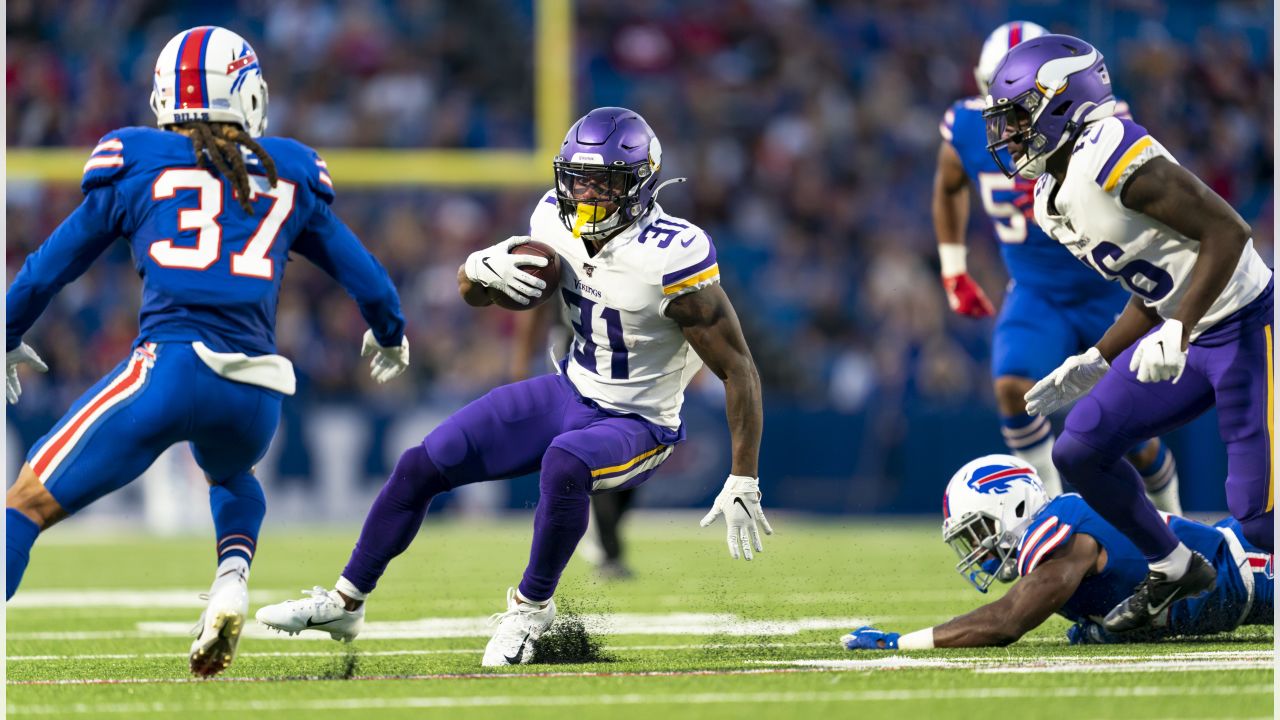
{"x": 701, "y": 624}
{"x": 392, "y": 653}
{"x": 366, "y": 703}
{"x": 1173, "y": 662}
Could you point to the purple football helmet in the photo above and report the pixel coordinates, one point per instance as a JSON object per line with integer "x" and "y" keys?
{"x": 606, "y": 172}
{"x": 1041, "y": 96}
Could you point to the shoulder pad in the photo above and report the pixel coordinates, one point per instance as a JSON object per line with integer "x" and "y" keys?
{"x": 961, "y": 114}
{"x": 689, "y": 261}
{"x": 297, "y": 160}
{"x": 544, "y": 219}
{"x": 1050, "y": 529}
{"x": 106, "y": 163}
{"x": 1112, "y": 150}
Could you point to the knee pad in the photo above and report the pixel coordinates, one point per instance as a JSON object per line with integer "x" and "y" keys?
{"x": 450, "y": 452}
{"x": 1077, "y": 462}
{"x": 564, "y": 474}
{"x": 1259, "y": 531}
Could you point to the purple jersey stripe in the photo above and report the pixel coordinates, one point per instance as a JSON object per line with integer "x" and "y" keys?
{"x": 705, "y": 263}
{"x": 1132, "y": 133}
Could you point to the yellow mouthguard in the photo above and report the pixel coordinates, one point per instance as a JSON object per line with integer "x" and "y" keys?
{"x": 587, "y": 214}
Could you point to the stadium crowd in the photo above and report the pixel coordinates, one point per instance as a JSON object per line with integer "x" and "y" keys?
{"x": 808, "y": 131}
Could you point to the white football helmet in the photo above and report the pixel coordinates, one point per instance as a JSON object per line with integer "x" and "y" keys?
{"x": 987, "y": 506}
{"x": 210, "y": 74}
{"x": 997, "y": 46}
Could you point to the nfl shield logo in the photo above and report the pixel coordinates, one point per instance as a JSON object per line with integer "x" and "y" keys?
{"x": 588, "y": 269}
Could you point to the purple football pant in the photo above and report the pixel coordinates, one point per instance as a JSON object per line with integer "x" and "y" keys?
{"x": 1120, "y": 411}
{"x": 538, "y": 424}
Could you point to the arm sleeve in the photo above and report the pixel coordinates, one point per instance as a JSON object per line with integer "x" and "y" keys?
{"x": 330, "y": 244}
{"x": 691, "y": 265}
{"x": 63, "y": 257}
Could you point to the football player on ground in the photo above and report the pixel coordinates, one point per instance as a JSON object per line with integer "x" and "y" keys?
{"x": 1054, "y": 307}
{"x": 211, "y": 210}
{"x": 1196, "y": 331}
{"x": 1070, "y": 561}
{"x": 647, "y": 310}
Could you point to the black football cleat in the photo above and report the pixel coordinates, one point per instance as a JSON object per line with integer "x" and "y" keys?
{"x": 1155, "y": 594}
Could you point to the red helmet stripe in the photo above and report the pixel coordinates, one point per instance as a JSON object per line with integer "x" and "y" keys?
{"x": 190, "y": 71}
{"x": 1015, "y": 34}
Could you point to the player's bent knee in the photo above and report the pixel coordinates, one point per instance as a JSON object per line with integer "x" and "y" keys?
{"x": 1075, "y": 460}
{"x": 1259, "y": 530}
{"x": 1010, "y": 394}
{"x": 31, "y": 498}
{"x": 564, "y": 474}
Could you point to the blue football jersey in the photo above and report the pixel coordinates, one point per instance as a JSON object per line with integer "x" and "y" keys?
{"x": 1067, "y": 515}
{"x": 1032, "y": 258}
{"x": 210, "y": 271}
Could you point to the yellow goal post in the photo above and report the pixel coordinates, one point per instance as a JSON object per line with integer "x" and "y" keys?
{"x": 381, "y": 167}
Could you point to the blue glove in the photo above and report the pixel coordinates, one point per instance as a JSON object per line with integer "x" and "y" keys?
{"x": 1087, "y": 632}
{"x": 869, "y": 638}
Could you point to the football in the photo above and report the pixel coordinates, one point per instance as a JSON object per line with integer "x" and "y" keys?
{"x": 550, "y": 274}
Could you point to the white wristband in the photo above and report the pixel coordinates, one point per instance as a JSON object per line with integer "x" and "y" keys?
{"x": 952, "y": 258}
{"x": 918, "y": 640}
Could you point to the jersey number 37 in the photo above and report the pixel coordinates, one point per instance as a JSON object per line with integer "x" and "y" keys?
{"x": 252, "y": 261}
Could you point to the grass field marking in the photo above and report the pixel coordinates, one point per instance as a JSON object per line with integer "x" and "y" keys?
{"x": 980, "y": 694}
{"x": 392, "y": 653}
{"x": 126, "y": 598}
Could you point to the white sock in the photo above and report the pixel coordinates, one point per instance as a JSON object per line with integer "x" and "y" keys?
{"x": 346, "y": 587}
{"x": 233, "y": 568}
{"x": 1175, "y": 564}
{"x": 1162, "y": 486}
{"x": 1040, "y": 457}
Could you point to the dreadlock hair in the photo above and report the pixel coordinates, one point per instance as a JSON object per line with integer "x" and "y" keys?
{"x": 219, "y": 143}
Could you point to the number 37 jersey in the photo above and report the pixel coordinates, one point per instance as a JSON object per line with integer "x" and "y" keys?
{"x": 1148, "y": 258}
{"x": 627, "y": 355}
{"x": 210, "y": 271}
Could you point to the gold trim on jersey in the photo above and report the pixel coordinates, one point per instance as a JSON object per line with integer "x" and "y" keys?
{"x": 689, "y": 282}
{"x": 1129, "y": 156}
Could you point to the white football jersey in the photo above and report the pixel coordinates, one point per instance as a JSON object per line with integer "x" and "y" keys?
{"x": 1126, "y": 246}
{"x": 626, "y": 354}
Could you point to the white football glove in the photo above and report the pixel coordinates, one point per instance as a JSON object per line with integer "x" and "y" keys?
{"x": 495, "y": 267}
{"x": 1160, "y": 355}
{"x": 388, "y": 362}
{"x": 739, "y": 501}
{"x": 1073, "y": 378}
{"x": 21, "y": 355}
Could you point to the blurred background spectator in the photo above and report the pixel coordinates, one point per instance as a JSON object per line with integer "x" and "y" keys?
{"x": 808, "y": 131}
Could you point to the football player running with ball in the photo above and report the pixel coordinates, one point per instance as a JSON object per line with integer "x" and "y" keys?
{"x": 1070, "y": 561}
{"x": 1196, "y": 331}
{"x": 1053, "y": 306}
{"x": 211, "y": 211}
{"x": 642, "y": 289}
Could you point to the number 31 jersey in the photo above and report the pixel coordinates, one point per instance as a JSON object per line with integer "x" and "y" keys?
{"x": 1126, "y": 246}
{"x": 627, "y": 355}
{"x": 210, "y": 271}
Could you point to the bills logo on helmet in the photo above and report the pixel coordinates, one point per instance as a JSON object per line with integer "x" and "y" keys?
{"x": 996, "y": 479}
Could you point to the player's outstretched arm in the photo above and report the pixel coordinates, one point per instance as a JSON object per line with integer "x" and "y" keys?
{"x": 63, "y": 257}
{"x": 950, "y": 218}
{"x": 330, "y": 245}
{"x": 1028, "y": 603}
{"x": 1167, "y": 192}
{"x": 711, "y": 326}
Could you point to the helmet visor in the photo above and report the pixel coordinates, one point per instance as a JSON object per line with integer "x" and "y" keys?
{"x": 983, "y": 558}
{"x": 591, "y": 196}
{"x": 1011, "y": 126}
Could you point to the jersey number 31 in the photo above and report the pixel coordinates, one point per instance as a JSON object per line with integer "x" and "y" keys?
{"x": 252, "y": 261}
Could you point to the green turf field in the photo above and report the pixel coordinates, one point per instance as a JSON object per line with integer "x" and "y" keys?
{"x": 98, "y": 630}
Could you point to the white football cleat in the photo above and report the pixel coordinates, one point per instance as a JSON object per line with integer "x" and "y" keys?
{"x": 323, "y": 611}
{"x": 218, "y": 629}
{"x": 518, "y": 629}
